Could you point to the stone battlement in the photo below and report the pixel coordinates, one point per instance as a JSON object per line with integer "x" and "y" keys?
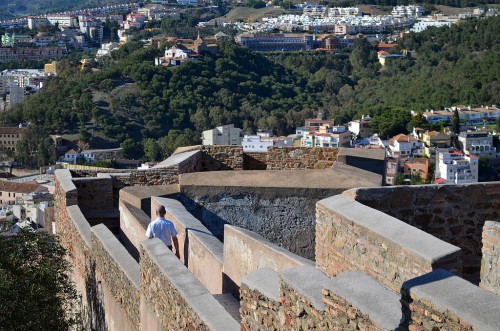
{"x": 382, "y": 258}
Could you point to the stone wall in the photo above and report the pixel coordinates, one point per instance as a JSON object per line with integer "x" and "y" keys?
{"x": 490, "y": 263}
{"x": 175, "y": 296}
{"x": 442, "y": 301}
{"x": 453, "y": 213}
{"x": 245, "y": 252}
{"x": 298, "y": 158}
{"x": 254, "y": 161}
{"x": 163, "y": 176}
{"x": 285, "y": 216}
{"x": 351, "y": 236}
{"x": 94, "y": 193}
{"x": 222, "y": 158}
{"x": 120, "y": 273}
{"x": 305, "y": 299}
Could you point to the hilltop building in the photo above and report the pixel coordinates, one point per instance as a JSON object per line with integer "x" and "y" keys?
{"x": 187, "y": 50}
{"x": 456, "y": 168}
{"x": 262, "y": 140}
{"x": 361, "y": 127}
{"x": 477, "y": 143}
{"x": 222, "y": 135}
{"x": 10, "y": 136}
{"x": 276, "y": 42}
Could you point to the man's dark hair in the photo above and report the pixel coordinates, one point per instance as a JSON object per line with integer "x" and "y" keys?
{"x": 160, "y": 210}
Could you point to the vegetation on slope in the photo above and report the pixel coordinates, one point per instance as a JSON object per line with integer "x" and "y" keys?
{"x": 138, "y": 104}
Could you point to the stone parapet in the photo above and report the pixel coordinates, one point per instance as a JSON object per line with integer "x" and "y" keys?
{"x": 75, "y": 237}
{"x": 299, "y": 158}
{"x": 94, "y": 193}
{"x": 305, "y": 298}
{"x": 453, "y": 213}
{"x": 176, "y": 297}
{"x": 440, "y": 300}
{"x": 219, "y": 157}
{"x": 246, "y": 251}
{"x": 351, "y": 236}
{"x": 490, "y": 263}
{"x": 200, "y": 250}
{"x": 120, "y": 272}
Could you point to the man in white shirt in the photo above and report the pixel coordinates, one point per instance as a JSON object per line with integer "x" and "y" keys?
{"x": 164, "y": 230}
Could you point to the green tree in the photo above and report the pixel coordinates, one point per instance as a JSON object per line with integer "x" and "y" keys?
{"x": 34, "y": 278}
{"x": 131, "y": 149}
{"x": 152, "y": 151}
{"x": 36, "y": 148}
{"x": 455, "y": 122}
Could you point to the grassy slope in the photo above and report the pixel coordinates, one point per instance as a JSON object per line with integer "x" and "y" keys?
{"x": 250, "y": 13}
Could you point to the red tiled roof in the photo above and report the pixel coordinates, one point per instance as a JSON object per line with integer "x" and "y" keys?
{"x": 439, "y": 181}
{"x": 11, "y": 130}
{"x": 6, "y": 186}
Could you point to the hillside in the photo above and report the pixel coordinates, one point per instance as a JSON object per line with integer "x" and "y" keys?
{"x": 250, "y": 14}
{"x": 152, "y": 110}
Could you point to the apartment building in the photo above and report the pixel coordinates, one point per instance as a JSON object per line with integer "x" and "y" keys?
{"x": 13, "y": 54}
{"x": 433, "y": 140}
{"x": 10, "y": 136}
{"x": 477, "y": 143}
{"x": 455, "y": 167}
{"x": 276, "y": 42}
{"x": 327, "y": 137}
{"x": 63, "y": 20}
{"x": 35, "y": 22}
{"x": 361, "y": 127}
{"x": 10, "y": 191}
{"x": 222, "y": 135}
{"x": 260, "y": 142}
{"x": 408, "y": 11}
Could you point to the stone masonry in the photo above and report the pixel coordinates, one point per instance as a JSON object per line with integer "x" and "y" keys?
{"x": 298, "y": 158}
{"x": 453, "y": 213}
{"x": 490, "y": 263}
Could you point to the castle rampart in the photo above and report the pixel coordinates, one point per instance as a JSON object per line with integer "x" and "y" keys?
{"x": 387, "y": 275}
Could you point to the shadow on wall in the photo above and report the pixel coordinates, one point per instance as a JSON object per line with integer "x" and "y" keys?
{"x": 209, "y": 163}
{"x": 95, "y": 312}
{"x": 212, "y": 221}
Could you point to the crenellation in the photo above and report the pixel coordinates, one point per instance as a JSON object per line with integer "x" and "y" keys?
{"x": 378, "y": 252}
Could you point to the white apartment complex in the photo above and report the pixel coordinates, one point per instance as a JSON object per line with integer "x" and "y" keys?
{"x": 408, "y": 11}
{"x": 477, "y": 143}
{"x": 63, "y": 21}
{"x": 453, "y": 167}
{"x": 222, "y": 135}
{"x": 260, "y": 142}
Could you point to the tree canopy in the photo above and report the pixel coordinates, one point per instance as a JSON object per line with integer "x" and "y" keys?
{"x": 36, "y": 292}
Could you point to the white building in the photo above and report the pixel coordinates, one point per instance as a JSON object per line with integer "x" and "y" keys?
{"x": 64, "y": 21}
{"x": 403, "y": 145}
{"x": 15, "y": 96}
{"x": 187, "y": 2}
{"x": 360, "y": 127}
{"x": 222, "y": 135}
{"x": 455, "y": 167}
{"x": 92, "y": 28}
{"x": 423, "y": 25}
{"x": 336, "y": 137}
{"x": 35, "y": 22}
{"x": 72, "y": 156}
{"x": 259, "y": 143}
{"x": 477, "y": 143}
{"x": 408, "y": 11}
{"x": 106, "y": 49}
{"x": 344, "y": 12}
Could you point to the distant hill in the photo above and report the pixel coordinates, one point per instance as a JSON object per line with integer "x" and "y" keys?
{"x": 15, "y": 8}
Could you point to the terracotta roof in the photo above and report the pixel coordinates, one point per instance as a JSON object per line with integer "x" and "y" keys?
{"x": 6, "y": 186}
{"x": 403, "y": 138}
{"x": 384, "y": 45}
{"x": 11, "y": 130}
{"x": 439, "y": 181}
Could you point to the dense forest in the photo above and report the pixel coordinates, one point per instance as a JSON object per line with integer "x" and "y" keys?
{"x": 151, "y": 110}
